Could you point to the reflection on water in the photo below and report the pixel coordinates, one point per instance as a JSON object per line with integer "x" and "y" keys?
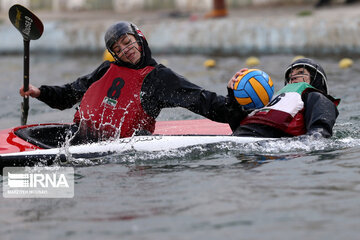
{"x": 289, "y": 188}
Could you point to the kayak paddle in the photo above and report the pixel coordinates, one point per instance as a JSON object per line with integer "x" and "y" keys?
{"x": 31, "y": 28}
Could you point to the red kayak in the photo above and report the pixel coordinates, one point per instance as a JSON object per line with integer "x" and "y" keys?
{"x": 34, "y": 144}
{"x": 46, "y": 136}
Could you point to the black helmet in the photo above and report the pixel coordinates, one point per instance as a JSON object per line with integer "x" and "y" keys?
{"x": 318, "y": 77}
{"x": 119, "y": 29}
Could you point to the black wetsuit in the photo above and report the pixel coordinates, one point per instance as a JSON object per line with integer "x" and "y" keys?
{"x": 162, "y": 88}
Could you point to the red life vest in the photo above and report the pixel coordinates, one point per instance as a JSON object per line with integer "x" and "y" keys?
{"x": 284, "y": 112}
{"x": 111, "y": 107}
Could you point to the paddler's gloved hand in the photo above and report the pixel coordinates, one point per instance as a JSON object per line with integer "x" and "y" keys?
{"x": 32, "y": 92}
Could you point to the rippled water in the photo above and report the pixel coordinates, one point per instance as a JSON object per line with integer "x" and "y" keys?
{"x": 285, "y": 189}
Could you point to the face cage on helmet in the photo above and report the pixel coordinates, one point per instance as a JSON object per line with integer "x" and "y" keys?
{"x": 304, "y": 65}
{"x": 127, "y": 48}
{"x": 310, "y": 75}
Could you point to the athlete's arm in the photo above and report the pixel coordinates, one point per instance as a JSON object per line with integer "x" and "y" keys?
{"x": 164, "y": 88}
{"x": 66, "y": 96}
{"x": 320, "y": 114}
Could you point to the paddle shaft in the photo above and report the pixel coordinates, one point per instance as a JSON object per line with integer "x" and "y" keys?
{"x": 31, "y": 28}
{"x": 25, "y": 103}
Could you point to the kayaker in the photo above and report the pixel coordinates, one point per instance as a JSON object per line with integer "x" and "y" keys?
{"x": 123, "y": 98}
{"x": 303, "y": 106}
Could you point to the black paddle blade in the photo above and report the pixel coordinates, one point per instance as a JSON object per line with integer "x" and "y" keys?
{"x": 26, "y": 22}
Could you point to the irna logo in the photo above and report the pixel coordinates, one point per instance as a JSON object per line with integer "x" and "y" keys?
{"x": 35, "y": 180}
{"x": 38, "y": 182}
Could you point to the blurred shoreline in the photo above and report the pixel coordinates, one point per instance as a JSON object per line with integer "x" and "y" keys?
{"x": 299, "y": 29}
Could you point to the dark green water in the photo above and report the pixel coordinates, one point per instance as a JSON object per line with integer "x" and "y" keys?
{"x": 286, "y": 189}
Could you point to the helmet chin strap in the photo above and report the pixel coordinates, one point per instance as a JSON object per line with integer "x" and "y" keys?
{"x": 140, "y": 43}
{"x": 313, "y": 79}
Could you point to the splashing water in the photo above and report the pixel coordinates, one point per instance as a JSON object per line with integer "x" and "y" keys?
{"x": 283, "y": 148}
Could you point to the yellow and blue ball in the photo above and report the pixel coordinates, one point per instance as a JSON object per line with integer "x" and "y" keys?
{"x": 253, "y": 89}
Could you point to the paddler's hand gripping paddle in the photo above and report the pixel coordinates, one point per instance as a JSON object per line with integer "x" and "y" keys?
{"x": 31, "y": 28}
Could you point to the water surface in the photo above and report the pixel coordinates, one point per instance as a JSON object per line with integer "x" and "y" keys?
{"x": 290, "y": 188}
